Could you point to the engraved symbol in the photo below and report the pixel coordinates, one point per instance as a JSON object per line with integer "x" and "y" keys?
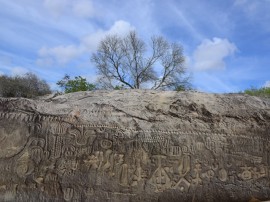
{"x": 69, "y": 151}
{"x": 183, "y": 185}
{"x": 246, "y": 174}
{"x": 23, "y": 165}
{"x": 68, "y": 194}
{"x": 124, "y": 175}
{"x": 107, "y": 159}
{"x": 222, "y": 175}
{"x": 209, "y": 174}
{"x": 199, "y": 146}
{"x": 160, "y": 177}
{"x": 92, "y": 162}
{"x": 184, "y": 166}
{"x": 197, "y": 180}
{"x": 175, "y": 151}
{"x": 36, "y": 150}
{"x": 36, "y": 154}
{"x": 137, "y": 176}
{"x": 106, "y": 144}
{"x": 89, "y": 192}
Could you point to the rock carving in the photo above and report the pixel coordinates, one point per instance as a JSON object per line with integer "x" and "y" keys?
{"x": 135, "y": 146}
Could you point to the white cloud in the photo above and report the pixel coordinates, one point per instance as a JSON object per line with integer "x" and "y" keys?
{"x": 56, "y": 7}
{"x": 1, "y": 73}
{"x": 267, "y": 84}
{"x": 121, "y": 28}
{"x": 83, "y": 8}
{"x": 63, "y": 54}
{"x": 18, "y": 71}
{"x": 210, "y": 54}
{"x": 255, "y": 11}
{"x": 91, "y": 41}
{"x": 79, "y": 8}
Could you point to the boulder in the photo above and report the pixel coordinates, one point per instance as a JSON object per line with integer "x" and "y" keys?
{"x": 135, "y": 145}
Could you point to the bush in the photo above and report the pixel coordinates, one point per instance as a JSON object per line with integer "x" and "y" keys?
{"x": 75, "y": 85}
{"x": 262, "y": 92}
{"x": 28, "y": 86}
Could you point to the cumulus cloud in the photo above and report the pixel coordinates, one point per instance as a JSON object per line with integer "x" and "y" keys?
{"x": 210, "y": 54}
{"x": 121, "y": 28}
{"x": 63, "y": 54}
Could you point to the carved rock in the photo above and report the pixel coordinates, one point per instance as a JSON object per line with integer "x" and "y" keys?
{"x": 135, "y": 145}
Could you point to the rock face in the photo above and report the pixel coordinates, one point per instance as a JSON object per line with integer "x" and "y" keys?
{"x": 135, "y": 146}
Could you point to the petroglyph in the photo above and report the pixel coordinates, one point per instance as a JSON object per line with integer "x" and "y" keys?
{"x": 62, "y": 151}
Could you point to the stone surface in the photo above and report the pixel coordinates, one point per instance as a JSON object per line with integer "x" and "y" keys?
{"x": 135, "y": 146}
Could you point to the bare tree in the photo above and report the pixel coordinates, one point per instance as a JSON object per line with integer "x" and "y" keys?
{"x": 129, "y": 62}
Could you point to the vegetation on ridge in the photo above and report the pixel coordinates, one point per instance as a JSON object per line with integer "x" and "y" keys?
{"x": 74, "y": 85}
{"x": 262, "y": 92}
{"x": 27, "y": 86}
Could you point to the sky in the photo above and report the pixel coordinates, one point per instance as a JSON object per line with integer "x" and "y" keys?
{"x": 226, "y": 43}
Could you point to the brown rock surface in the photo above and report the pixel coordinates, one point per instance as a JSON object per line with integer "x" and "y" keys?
{"x": 135, "y": 145}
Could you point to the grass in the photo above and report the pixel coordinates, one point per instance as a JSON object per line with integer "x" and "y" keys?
{"x": 261, "y": 92}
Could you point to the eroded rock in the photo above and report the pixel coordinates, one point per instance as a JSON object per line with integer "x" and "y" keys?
{"x": 135, "y": 146}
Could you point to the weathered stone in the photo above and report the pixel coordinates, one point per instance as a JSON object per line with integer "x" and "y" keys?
{"x": 135, "y": 146}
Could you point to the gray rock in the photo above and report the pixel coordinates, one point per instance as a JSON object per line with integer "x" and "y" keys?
{"x": 135, "y": 145}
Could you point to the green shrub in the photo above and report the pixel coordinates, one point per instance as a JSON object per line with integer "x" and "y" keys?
{"x": 75, "y": 85}
{"x": 262, "y": 92}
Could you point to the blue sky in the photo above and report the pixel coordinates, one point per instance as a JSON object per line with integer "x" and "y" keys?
{"x": 226, "y": 43}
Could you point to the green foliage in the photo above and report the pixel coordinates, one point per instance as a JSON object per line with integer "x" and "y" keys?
{"x": 75, "y": 85}
{"x": 28, "y": 86}
{"x": 117, "y": 87}
{"x": 262, "y": 92}
{"x": 181, "y": 88}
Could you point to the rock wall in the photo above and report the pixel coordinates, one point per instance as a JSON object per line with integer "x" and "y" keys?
{"x": 135, "y": 146}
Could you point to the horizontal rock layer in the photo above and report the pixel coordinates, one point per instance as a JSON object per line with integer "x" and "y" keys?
{"x": 135, "y": 145}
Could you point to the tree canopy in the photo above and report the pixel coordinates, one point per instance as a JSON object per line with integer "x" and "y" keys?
{"x": 74, "y": 85}
{"x": 28, "y": 86}
{"x": 128, "y": 61}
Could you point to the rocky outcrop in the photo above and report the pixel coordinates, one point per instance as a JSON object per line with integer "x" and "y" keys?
{"x": 135, "y": 145}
